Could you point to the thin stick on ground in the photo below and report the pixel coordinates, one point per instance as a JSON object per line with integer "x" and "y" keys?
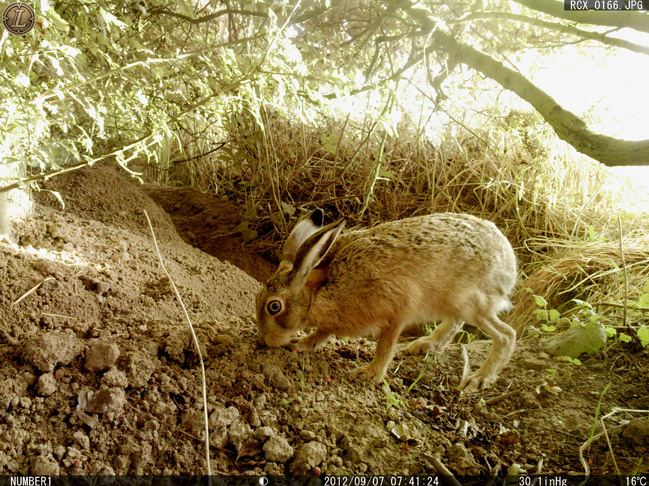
{"x": 502, "y": 397}
{"x": 626, "y": 281}
{"x": 465, "y": 368}
{"x": 198, "y": 350}
{"x": 31, "y": 291}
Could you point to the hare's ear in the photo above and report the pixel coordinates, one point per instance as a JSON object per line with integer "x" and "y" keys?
{"x": 312, "y": 251}
{"x": 308, "y": 225}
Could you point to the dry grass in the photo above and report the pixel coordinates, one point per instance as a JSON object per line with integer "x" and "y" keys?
{"x": 592, "y": 272}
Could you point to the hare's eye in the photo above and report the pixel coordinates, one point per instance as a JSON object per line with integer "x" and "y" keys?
{"x": 273, "y": 307}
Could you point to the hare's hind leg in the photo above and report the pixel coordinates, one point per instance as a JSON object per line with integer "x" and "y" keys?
{"x": 440, "y": 337}
{"x": 502, "y": 348}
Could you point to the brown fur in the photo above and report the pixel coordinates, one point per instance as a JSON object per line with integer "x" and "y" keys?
{"x": 453, "y": 268}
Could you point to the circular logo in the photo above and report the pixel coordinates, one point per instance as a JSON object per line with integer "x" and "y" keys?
{"x": 18, "y": 18}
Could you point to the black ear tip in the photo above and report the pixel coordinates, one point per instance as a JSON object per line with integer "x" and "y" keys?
{"x": 317, "y": 217}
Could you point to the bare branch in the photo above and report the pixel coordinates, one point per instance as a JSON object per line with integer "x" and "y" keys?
{"x": 207, "y": 18}
{"x": 633, "y": 19}
{"x": 564, "y": 29}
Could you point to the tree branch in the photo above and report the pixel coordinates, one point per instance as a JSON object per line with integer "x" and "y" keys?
{"x": 564, "y": 29}
{"x": 567, "y": 125}
{"x": 633, "y": 19}
{"x": 207, "y": 18}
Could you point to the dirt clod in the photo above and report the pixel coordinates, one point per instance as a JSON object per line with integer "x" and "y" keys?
{"x": 51, "y": 349}
{"x": 82, "y": 440}
{"x": 114, "y": 378}
{"x": 46, "y": 385}
{"x": 238, "y": 434}
{"x": 276, "y": 377}
{"x": 222, "y": 417}
{"x": 277, "y": 449}
{"x": 637, "y": 431}
{"x": 45, "y": 466}
{"x": 224, "y": 339}
{"x": 308, "y": 456}
{"x": 101, "y": 356}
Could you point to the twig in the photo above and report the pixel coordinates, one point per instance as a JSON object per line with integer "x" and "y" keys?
{"x": 39, "y": 177}
{"x": 610, "y": 447}
{"x": 55, "y": 172}
{"x": 621, "y": 306}
{"x": 58, "y": 315}
{"x": 626, "y": 281}
{"x": 465, "y": 369}
{"x": 32, "y": 290}
{"x": 502, "y": 397}
{"x": 599, "y": 406}
{"x": 198, "y": 350}
{"x": 173, "y": 162}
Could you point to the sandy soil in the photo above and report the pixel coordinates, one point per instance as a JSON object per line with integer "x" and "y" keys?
{"x": 99, "y": 374}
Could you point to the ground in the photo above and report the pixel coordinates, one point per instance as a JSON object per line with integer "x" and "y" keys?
{"x": 100, "y": 374}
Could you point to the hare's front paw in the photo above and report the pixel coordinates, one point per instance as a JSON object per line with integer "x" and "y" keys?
{"x": 476, "y": 381}
{"x": 313, "y": 341}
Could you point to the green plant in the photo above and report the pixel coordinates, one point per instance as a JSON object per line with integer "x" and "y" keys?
{"x": 643, "y": 335}
{"x": 551, "y": 373}
{"x": 393, "y": 399}
{"x": 597, "y": 410}
{"x": 548, "y": 317}
{"x": 574, "y": 361}
{"x": 466, "y": 337}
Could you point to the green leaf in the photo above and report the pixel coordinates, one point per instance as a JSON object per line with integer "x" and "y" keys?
{"x": 554, "y": 315}
{"x": 549, "y": 328}
{"x": 644, "y": 300}
{"x": 541, "y": 314}
{"x": 624, "y": 337}
{"x": 577, "y": 340}
{"x": 246, "y": 233}
{"x": 610, "y": 331}
{"x": 329, "y": 147}
{"x": 540, "y": 301}
{"x": 249, "y": 235}
{"x": 643, "y": 335}
{"x": 58, "y": 22}
{"x": 185, "y": 9}
{"x": 574, "y": 361}
{"x": 288, "y": 209}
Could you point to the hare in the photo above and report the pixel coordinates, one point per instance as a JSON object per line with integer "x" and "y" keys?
{"x": 453, "y": 268}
